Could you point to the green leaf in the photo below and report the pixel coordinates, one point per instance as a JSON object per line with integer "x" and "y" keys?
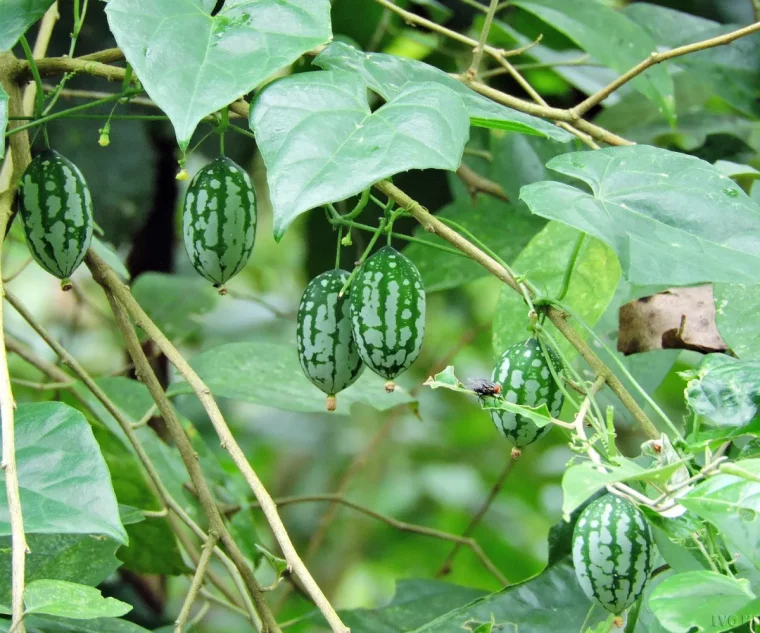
{"x": 64, "y": 483}
{"x": 736, "y": 308}
{"x": 192, "y": 64}
{"x": 52, "y": 624}
{"x": 84, "y": 558}
{"x": 321, "y": 143}
{"x": 153, "y": 549}
{"x": 3, "y": 118}
{"x": 724, "y": 390}
{"x": 483, "y": 217}
{"x": 269, "y": 374}
{"x": 389, "y": 75}
{"x": 732, "y": 504}
{"x": 16, "y": 16}
{"x": 551, "y": 601}
{"x": 610, "y": 37}
{"x": 544, "y": 261}
{"x": 70, "y": 600}
{"x": 416, "y": 602}
{"x": 636, "y": 205}
{"x": 175, "y": 304}
{"x": 520, "y": 160}
{"x": 708, "y": 601}
{"x": 731, "y": 72}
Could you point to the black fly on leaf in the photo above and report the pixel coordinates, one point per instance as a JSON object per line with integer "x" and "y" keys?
{"x": 484, "y": 387}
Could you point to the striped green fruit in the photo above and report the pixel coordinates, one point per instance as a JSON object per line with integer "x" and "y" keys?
{"x": 388, "y": 313}
{"x": 613, "y": 552}
{"x": 219, "y": 220}
{"x": 56, "y": 210}
{"x": 326, "y": 347}
{"x": 525, "y": 379}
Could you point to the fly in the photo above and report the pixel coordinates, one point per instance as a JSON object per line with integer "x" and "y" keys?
{"x": 484, "y": 387}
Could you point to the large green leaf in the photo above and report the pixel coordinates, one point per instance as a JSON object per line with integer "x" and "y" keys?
{"x": 724, "y": 390}
{"x": 731, "y": 72}
{"x": 732, "y": 503}
{"x": 544, "y": 261}
{"x": 736, "y": 310}
{"x": 416, "y": 602}
{"x": 3, "y": 118}
{"x": 321, "y": 143}
{"x": 192, "y": 64}
{"x": 269, "y": 374}
{"x": 551, "y": 601}
{"x": 638, "y": 204}
{"x": 502, "y": 227}
{"x": 53, "y": 624}
{"x": 64, "y": 482}
{"x": 71, "y": 600}
{"x": 703, "y": 601}
{"x": 388, "y": 75}
{"x": 16, "y": 16}
{"x": 84, "y": 558}
{"x": 175, "y": 303}
{"x": 610, "y": 37}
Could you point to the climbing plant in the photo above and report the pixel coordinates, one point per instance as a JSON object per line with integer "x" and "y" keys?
{"x": 531, "y": 231}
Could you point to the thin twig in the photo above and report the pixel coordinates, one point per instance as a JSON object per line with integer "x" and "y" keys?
{"x": 357, "y": 463}
{"x": 476, "y": 183}
{"x": 106, "y": 277}
{"x": 477, "y": 55}
{"x": 403, "y": 527}
{"x": 195, "y": 585}
{"x": 656, "y": 58}
{"x": 478, "y": 516}
{"x": 17, "y": 272}
{"x": 189, "y": 457}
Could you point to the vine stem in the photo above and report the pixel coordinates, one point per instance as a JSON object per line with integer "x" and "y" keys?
{"x": 110, "y": 281}
{"x": 656, "y": 58}
{"x": 145, "y": 372}
{"x": 477, "y": 56}
{"x": 152, "y": 477}
{"x": 197, "y": 582}
{"x": 446, "y": 565}
{"x": 403, "y": 527}
{"x": 555, "y": 315}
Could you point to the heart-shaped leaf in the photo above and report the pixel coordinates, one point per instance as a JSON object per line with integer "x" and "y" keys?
{"x": 321, "y": 142}
{"x": 16, "y": 16}
{"x": 673, "y": 219}
{"x": 192, "y": 63}
{"x": 388, "y": 75}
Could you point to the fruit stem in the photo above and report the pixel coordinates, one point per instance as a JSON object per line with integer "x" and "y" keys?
{"x": 390, "y": 386}
{"x": 364, "y": 256}
{"x": 66, "y": 284}
{"x": 332, "y": 403}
